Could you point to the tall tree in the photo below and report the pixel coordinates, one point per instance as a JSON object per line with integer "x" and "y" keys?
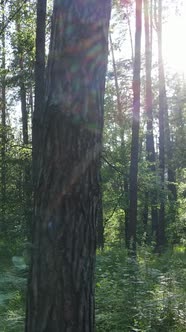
{"x": 162, "y": 109}
{"x": 39, "y": 85}
{"x": 135, "y": 131}
{"x": 61, "y": 285}
{"x": 151, "y": 195}
{"x": 22, "y": 50}
{"x": 3, "y": 120}
{"x": 120, "y": 119}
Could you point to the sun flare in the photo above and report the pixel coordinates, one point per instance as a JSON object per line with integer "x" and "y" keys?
{"x": 174, "y": 46}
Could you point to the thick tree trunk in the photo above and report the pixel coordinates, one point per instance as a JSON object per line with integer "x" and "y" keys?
{"x": 61, "y": 286}
{"x": 135, "y": 131}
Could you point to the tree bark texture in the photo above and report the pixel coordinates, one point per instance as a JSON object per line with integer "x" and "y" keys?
{"x": 61, "y": 283}
{"x": 135, "y": 130}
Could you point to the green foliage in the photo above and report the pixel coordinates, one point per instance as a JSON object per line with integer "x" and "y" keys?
{"x": 12, "y": 295}
{"x": 147, "y": 295}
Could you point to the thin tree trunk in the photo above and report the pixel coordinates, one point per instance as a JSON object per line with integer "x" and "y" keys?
{"x": 170, "y": 165}
{"x": 37, "y": 117}
{"x": 135, "y": 130}
{"x": 3, "y": 123}
{"x": 100, "y": 222}
{"x": 22, "y": 87}
{"x": 120, "y": 121}
{"x": 37, "y": 120}
{"x": 126, "y": 209}
{"x": 162, "y": 106}
{"x": 119, "y": 116}
{"x": 24, "y": 111}
{"x": 31, "y": 101}
{"x": 61, "y": 287}
{"x": 130, "y": 36}
{"x": 151, "y": 195}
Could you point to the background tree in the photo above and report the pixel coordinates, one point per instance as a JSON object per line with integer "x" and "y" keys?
{"x": 151, "y": 195}
{"x": 162, "y": 107}
{"x": 135, "y": 131}
{"x": 3, "y": 122}
{"x": 39, "y": 85}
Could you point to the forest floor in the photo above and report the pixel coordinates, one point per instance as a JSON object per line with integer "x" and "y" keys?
{"x": 143, "y": 295}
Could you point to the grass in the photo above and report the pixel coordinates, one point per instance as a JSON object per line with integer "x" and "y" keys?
{"x": 146, "y": 295}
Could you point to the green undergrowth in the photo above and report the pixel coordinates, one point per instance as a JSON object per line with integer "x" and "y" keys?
{"x": 12, "y": 293}
{"x": 143, "y": 295}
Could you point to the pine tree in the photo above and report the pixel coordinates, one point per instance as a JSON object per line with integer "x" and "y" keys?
{"x": 61, "y": 283}
{"x": 135, "y": 131}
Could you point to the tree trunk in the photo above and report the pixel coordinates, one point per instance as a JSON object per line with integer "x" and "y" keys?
{"x": 61, "y": 286}
{"x": 130, "y": 35}
{"x": 172, "y": 190}
{"x": 151, "y": 195}
{"x": 100, "y": 221}
{"x": 120, "y": 119}
{"x": 135, "y": 131}
{"x": 126, "y": 209}
{"x": 162, "y": 106}
{"x": 3, "y": 124}
{"x": 24, "y": 110}
{"x": 37, "y": 120}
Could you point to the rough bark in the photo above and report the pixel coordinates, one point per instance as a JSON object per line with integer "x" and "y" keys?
{"x": 61, "y": 285}
{"x": 135, "y": 130}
